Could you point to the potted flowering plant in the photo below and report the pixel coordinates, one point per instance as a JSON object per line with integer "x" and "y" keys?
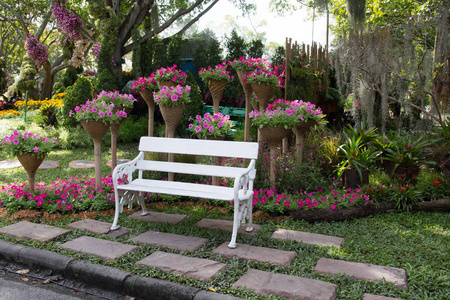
{"x": 215, "y": 126}
{"x": 169, "y": 76}
{"x": 145, "y": 84}
{"x": 262, "y": 76}
{"x": 30, "y": 149}
{"x": 249, "y": 64}
{"x": 219, "y": 72}
{"x": 100, "y": 110}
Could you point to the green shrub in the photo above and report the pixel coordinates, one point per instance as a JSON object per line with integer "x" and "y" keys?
{"x": 70, "y": 77}
{"x": 132, "y": 128}
{"x": 193, "y": 108}
{"x": 76, "y": 94}
{"x": 106, "y": 81}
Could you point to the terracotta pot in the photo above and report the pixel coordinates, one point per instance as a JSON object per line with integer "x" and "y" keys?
{"x": 216, "y": 88}
{"x": 148, "y": 98}
{"x": 167, "y": 83}
{"x": 30, "y": 163}
{"x": 351, "y": 179}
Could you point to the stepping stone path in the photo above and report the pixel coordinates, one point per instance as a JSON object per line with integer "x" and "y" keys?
{"x": 362, "y": 271}
{"x": 99, "y": 227}
{"x": 226, "y": 225}
{"x": 266, "y": 283}
{"x": 33, "y": 231}
{"x": 308, "y": 238}
{"x": 119, "y": 161}
{"x": 197, "y": 268}
{"x": 9, "y": 164}
{"x": 260, "y": 254}
{"x": 262, "y": 283}
{"x": 159, "y": 217}
{"x": 170, "y": 240}
{"x": 375, "y": 297}
{"x": 103, "y": 249}
{"x": 82, "y": 164}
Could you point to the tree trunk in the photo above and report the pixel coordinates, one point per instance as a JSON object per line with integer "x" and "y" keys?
{"x": 365, "y": 210}
{"x": 46, "y": 92}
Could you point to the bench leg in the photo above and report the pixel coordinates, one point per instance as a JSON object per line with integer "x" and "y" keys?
{"x": 249, "y": 215}
{"x": 141, "y": 201}
{"x": 236, "y": 219}
{"x": 116, "y": 214}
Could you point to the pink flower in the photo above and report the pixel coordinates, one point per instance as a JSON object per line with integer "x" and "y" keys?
{"x": 35, "y": 149}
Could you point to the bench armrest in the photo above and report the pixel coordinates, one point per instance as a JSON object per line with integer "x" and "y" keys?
{"x": 243, "y": 183}
{"x": 126, "y": 169}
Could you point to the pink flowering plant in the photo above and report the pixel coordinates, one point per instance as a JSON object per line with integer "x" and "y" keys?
{"x": 218, "y": 73}
{"x": 26, "y": 142}
{"x": 286, "y": 114}
{"x": 211, "y": 125}
{"x": 249, "y": 64}
{"x": 260, "y": 76}
{"x": 172, "y": 96}
{"x": 170, "y": 74}
{"x": 104, "y": 108}
{"x": 145, "y": 84}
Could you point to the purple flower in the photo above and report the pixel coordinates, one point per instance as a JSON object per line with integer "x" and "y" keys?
{"x": 35, "y": 149}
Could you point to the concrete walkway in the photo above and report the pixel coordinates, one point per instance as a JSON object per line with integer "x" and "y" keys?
{"x": 261, "y": 282}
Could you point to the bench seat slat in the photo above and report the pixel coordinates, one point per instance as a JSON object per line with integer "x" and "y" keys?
{"x": 184, "y": 168}
{"x": 180, "y": 189}
{"x": 199, "y": 147}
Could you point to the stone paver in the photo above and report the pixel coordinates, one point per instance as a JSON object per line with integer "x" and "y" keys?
{"x": 362, "y": 271}
{"x": 170, "y": 240}
{"x": 9, "y": 164}
{"x": 159, "y": 217}
{"x": 90, "y": 225}
{"x": 119, "y": 232}
{"x": 103, "y": 249}
{"x": 119, "y": 161}
{"x": 32, "y": 231}
{"x": 82, "y": 164}
{"x": 226, "y": 225}
{"x": 49, "y": 164}
{"x": 261, "y": 254}
{"x": 308, "y": 238}
{"x": 197, "y": 268}
{"x": 376, "y": 297}
{"x": 288, "y": 286}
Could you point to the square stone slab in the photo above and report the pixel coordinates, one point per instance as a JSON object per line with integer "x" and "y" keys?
{"x": 376, "y": 297}
{"x": 226, "y": 225}
{"x": 159, "y": 217}
{"x": 119, "y": 232}
{"x": 362, "y": 271}
{"x": 288, "y": 286}
{"x": 308, "y": 238}
{"x": 90, "y": 225}
{"x": 170, "y": 240}
{"x": 260, "y": 254}
{"x": 103, "y": 249}
{"x": 197, "y": 268}
{"x": 33, "y": 231}
{"x": 9, "y": 164}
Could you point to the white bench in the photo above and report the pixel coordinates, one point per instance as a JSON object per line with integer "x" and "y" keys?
{"x": 241, "y": 193}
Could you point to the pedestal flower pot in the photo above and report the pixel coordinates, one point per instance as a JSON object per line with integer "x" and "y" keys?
{"x": 264, "y": 92}
{"x": 216, "y": 88}
{"x": 171, "y": 116}
{"x": 148, "y": 98}
{"x": 30, "y": 163}
{"x": 273, "y": 137}
{"x": 248, "y": 96}
{"x": 299, "y": 131}
{"x": 96, "y": 130}
{"x": 114, "y": 129}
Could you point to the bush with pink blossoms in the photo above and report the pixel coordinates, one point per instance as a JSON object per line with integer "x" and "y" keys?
{"x": 172, "y": 96}
{"x": 145, "y": 84}
{"x": 36, "y": 51}
{"x": 26, "y": 142}
{"x": 170, "y": 74}
{"x": 218, "y": 73}
{"x": 249, "y": 64}
{"x": 68, "y": 22}
{"x": 216, "y": 125}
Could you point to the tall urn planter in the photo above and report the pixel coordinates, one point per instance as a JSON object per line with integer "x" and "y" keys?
{"x": 248, "y": 97}
{"x": 96, "y": 130}
{"x": 171, "y": 116}
{"x": 273, "y": 136}
{"x": 216, "y": 88}
{"x": 148, "y": 98}
{"x": 30, "y": 163}
{"x": 300, "y": 130}
{"x": 167, "y": 83}
{"x": 264, "y": 92}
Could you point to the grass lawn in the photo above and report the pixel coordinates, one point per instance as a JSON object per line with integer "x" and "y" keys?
{"x": 417, "y": 242}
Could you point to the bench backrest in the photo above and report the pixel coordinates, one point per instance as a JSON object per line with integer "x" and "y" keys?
{"x": 247, "y": 150}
